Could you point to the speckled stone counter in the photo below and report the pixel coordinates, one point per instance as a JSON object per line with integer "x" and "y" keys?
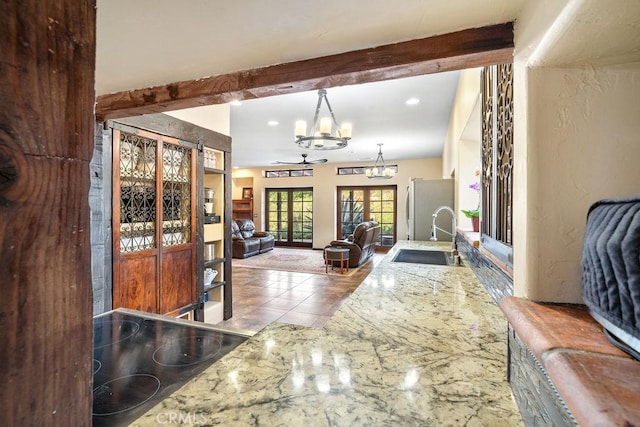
{"x": 414, "y": 345}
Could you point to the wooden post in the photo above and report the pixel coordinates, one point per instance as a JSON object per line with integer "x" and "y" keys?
{"x": 46, "y": 138}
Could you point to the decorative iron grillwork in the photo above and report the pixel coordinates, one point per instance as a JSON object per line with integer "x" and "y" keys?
{"x": 497, "y": 152}
{"x": 137, "y": 193}
{"x": 487, "y": 149}
{"x": 504, "y": 152}
{"x": 176, "y": 194}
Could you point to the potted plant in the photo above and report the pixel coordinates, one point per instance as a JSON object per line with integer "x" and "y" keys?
{"x": 474, "y": 214}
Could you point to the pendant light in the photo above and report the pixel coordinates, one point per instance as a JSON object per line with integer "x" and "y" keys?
{"x": 321, "y": 136}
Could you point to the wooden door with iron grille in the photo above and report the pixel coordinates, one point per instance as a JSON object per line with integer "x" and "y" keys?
{"x": 154, "y": 217}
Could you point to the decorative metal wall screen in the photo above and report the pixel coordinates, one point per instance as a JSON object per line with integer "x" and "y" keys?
{"x": 497, "y": 152}
{"x": 504, "y": 153}
{"x": 487, "y": 149}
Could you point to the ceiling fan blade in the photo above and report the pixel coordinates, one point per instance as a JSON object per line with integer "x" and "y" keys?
{"x": 303, "y": 162}
{"x": 313, "y": 162}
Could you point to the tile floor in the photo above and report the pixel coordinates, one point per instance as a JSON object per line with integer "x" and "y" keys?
{"x": 264, "y": 296}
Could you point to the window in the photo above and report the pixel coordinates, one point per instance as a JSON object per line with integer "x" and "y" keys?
{"x": 361, "y": 170}
{"x": 359, "y": 204}
{"x": 288, "y": 172}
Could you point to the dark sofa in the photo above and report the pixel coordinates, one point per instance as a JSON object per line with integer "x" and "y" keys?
{"x": 361, "y": 244}
{"x": 247, "y": 241}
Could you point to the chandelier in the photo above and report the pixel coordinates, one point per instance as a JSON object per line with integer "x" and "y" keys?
{"x": 379, "y": 169}
{"x": 321, "y": 136}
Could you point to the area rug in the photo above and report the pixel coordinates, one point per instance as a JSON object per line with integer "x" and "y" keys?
{"x": 290, "y": 259}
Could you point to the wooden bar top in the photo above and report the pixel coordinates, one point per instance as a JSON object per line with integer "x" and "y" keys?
{"x": 599, "y": 383}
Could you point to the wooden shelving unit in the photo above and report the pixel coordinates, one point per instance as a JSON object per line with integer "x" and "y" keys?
{"x": 215, "y": 178}
{"x": 242, "y": 209}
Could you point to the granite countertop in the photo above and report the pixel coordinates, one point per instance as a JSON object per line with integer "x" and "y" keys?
{"x": 413, "y": 345}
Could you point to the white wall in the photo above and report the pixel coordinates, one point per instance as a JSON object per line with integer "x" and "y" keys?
{"x": 576, "y": 127}
{"x": 324, "y": 183}
{"x": 214, "y": 117}
{"x": 464, "y": 103}
{"x": 462, "y": 155}
{"x": 469, "y": 159}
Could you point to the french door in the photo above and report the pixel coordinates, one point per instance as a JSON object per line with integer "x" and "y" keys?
{"x": 364, "y": 203}
{"x": 289, "y": 214}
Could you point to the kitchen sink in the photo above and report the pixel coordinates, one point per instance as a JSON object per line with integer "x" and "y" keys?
{"x": 420, "y": 256}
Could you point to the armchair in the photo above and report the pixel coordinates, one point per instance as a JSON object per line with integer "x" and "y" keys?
{"x": 361, "y": 244}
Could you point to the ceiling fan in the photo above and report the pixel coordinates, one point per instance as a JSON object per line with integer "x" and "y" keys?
{"x": 304, "y": 161}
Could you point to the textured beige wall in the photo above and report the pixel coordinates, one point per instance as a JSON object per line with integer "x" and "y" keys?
{"x": 324, "y": 183}
{"x": 576, "y": 127}
{"x": 584, "y": 125}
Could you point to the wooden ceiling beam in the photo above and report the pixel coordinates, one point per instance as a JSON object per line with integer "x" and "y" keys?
{"x": 454, "y": 51}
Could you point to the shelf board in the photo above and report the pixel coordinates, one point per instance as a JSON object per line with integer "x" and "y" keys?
{"x": 214, "y": 261}
{"x": 214, "y": 285}
{"x": 212, "y": 170}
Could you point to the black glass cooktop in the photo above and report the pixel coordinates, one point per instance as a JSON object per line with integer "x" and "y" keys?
{"x": 139, "y": 360}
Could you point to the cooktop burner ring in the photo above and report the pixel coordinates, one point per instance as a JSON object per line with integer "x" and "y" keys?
{"x": 96, "y": 366}
{"x": 176, "y": 353}
{"x": 121, "y": 325}
{"x": 146, "y": 386}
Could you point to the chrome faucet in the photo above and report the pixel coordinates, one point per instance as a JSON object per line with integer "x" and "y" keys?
{"x": 454, "y": 246}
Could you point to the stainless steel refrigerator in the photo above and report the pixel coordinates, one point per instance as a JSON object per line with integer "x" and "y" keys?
{"x": 424, "y": 196}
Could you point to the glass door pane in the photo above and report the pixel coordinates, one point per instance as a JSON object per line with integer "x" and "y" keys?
{"x": 382, "y": 209}
{"x": 302, "y": 216}
{"x": 278, "y": 214}
{"x": 351, "y": 211}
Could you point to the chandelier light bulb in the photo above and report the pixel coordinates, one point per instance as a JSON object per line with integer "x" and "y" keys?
{"x": 301, "y": 128}
{"x": 345, "y": 130}
{"x": 325, "y": 126}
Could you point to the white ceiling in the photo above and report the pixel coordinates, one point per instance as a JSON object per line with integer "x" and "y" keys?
{"x": 377, "y": 111}
{"x": 144, "y": 43}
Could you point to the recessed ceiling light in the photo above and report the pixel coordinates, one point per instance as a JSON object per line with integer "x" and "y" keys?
{"x": 236, "y": 103}
{"x": 412, "y": 101}
{"x": 272, "y": 123}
